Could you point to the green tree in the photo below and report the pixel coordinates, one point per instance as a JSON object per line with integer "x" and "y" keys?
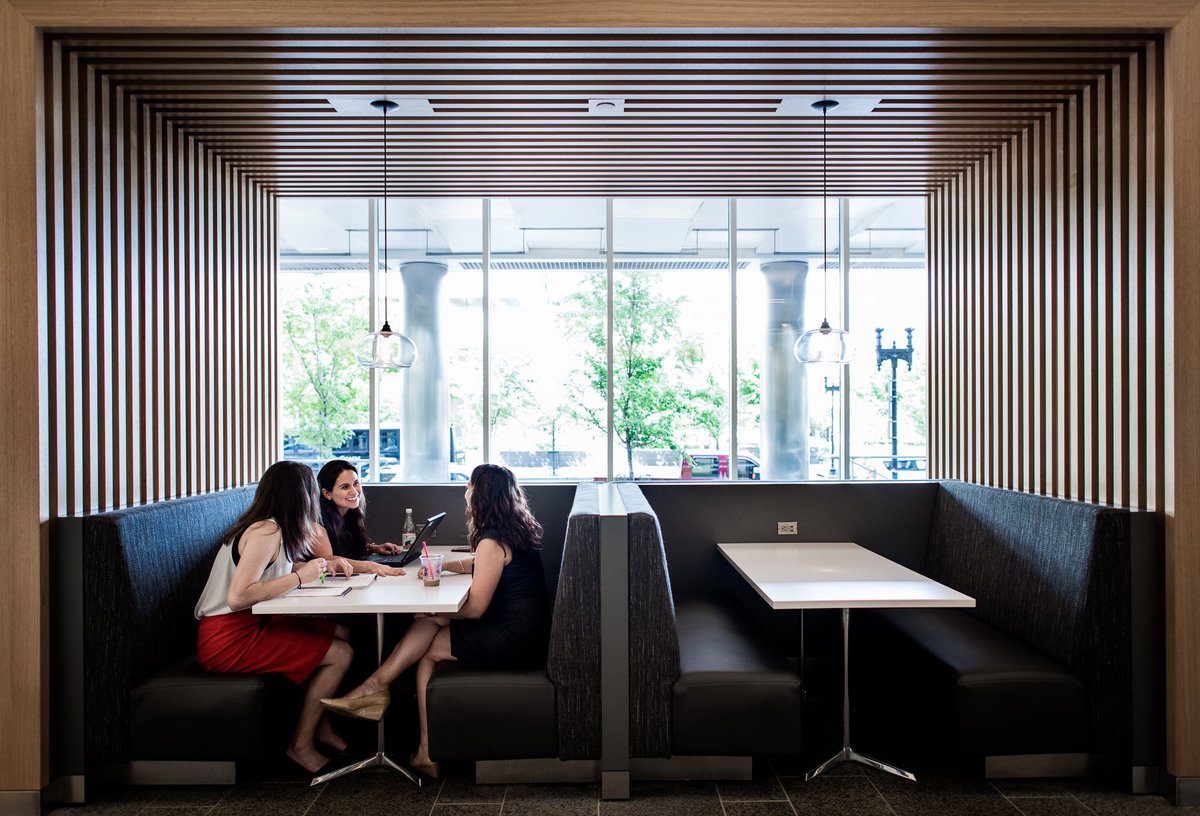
{"x": 646, "y": 402}
{"x": 326, "y": 390}
{"x": 511, "y": 396}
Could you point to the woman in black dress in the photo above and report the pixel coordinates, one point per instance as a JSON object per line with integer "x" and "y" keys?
{"x": 504, "y": 622}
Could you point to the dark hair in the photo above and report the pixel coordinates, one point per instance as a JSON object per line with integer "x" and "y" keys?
{"x": 497, "y": 503}
{"x": 348, "y": 534}
{"x": 287, "y": 495}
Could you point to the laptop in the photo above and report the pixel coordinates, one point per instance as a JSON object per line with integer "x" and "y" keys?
{"x": 408, "y": 556}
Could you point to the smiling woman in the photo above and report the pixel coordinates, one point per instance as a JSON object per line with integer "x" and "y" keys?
{"x": 343, "y": 517}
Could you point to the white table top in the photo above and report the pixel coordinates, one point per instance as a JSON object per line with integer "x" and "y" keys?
{"x": 837, "y": 575}
{"x": 397, "y": 593}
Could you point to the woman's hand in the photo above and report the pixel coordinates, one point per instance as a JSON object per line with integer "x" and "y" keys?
{"x": 310, "y": 571}
{"x": 386, "y": 548}
{"x": 341, "y": 566}
{"x": 384, "y": 569}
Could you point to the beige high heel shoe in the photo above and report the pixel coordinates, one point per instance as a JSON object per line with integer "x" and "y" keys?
{"x": 370, "y": 707}
{"x": 430, "y": 768}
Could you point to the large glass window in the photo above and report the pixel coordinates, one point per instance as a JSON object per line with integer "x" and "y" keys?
{"x": 323, "y": 309}
{"x": 888, "y": 297}
{"x": 541, "y": 407}
{"x": 546, "y": 281}
{"x": 670, "y": 336}
{"x": 435, "y": 297}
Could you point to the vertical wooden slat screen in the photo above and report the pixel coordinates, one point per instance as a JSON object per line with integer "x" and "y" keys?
{"x": 161, "y": 285}
{"x": 1047, "y": 301}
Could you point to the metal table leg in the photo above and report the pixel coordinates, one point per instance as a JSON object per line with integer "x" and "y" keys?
{"x": 380, "y": 759}
{"x": 848, "y": 754}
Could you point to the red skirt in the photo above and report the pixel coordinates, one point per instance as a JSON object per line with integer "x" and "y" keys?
{"x": 245, "y": 643}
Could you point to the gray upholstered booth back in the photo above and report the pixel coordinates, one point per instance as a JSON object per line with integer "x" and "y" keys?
{"x": 1053, "y": 574}
{"x": 653, "y": 635}
{"x": 890, "y": 518}
{"x": 573, "y": 658}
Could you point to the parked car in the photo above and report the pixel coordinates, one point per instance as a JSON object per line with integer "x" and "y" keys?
{"x": 715, "y": 465}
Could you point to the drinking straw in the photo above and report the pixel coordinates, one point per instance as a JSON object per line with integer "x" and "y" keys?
{"x": 425, "y": 550}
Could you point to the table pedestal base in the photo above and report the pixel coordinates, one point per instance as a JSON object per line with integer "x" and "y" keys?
{"x": 848, "y": 754}
{"x": 380, "y": 760}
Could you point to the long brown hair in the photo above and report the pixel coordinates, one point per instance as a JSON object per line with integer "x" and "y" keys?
{"x": 496, "y": 502}
{"x": 286, "y": 494}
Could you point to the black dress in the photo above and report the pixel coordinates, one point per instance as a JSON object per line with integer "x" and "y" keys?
{"x": 514, "y": 629}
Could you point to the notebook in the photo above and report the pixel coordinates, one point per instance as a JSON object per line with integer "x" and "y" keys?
{"x": 357, "y": 581}
{"x": 408, "y": 556}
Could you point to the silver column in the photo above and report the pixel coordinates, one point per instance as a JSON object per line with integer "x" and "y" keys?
{"x": 785, "y": 382}
{"x": 425, "y": 415}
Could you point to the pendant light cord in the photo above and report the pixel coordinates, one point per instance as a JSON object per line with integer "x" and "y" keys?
{"x": 386, "y": 327}
{"x": 825, "y": 206}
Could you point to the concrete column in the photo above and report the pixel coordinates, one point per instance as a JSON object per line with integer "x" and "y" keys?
{"x": 425, "y": 410}
{"x": 785, "y": 381}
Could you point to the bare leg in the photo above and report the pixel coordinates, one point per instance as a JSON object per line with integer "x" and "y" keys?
{"x": 323, "y": 683}
{"x": 325, "y": 732}
{"x": 411, "y": 648}
{"x": 439, "y": 650}
{"x": 327, "y": 735}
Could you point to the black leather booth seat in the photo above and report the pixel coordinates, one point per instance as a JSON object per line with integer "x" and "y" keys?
{"x": 1009, "y": 698}
{"x": 1041, "y": 664}
{"x": 484, "y": 714}
{"x": 735, "y": 695}
{"x": 186, "y": 713}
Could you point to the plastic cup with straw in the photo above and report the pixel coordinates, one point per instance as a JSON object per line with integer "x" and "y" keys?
{"x": 431, "y": 567}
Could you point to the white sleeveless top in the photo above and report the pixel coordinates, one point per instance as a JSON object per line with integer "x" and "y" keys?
{"x": 214, "y": 598}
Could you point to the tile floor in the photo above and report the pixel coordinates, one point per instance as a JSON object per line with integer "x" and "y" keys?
{"x": 778, "y": 789}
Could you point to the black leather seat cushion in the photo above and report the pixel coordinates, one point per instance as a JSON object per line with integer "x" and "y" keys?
{"x": 186, "y": 713}
{"x": 736, "y": 695}
{"x": 491, "y": 714}
{"x": 1008, "y": 698}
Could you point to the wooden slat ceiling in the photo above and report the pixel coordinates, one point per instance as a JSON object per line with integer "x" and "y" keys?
{"x": 508, "y": 111}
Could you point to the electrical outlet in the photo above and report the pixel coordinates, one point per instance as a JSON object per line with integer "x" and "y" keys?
{"x": 787, "y": 528}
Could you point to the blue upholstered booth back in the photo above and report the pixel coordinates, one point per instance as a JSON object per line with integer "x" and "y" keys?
{"x": 142, "y": 570}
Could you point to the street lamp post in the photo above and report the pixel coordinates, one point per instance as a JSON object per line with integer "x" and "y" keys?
{"x": 832, "y": 390}
{"x": 895, "y": 355}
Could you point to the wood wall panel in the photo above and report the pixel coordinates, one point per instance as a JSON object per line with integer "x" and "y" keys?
{"x": 1035, "y": 252}
{"x": 23, "y": 612}
{"x": 1182, "y": 351}
{"x": 149, "y": 263}
{"x": 500, "y": 14}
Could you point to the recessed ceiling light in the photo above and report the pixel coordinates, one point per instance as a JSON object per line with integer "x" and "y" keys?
{"x": 361, "y": 105}
{"x": 607, "y": 106}
{"x": 848, "y": 105}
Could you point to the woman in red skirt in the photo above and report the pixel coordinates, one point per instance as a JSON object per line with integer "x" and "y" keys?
{"x": 265, "y": 554}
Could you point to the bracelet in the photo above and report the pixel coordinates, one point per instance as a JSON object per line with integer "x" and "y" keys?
{"x": 299, "y": 580}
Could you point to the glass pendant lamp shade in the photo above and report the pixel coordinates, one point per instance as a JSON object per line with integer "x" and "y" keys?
{"x": 385, "y": 348}
{"x": 824, "y": 344}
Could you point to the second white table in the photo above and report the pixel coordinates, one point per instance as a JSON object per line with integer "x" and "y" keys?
{"x": 837, "y": 575}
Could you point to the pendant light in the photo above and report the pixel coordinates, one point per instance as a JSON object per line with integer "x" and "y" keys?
{"x": 385, "y": 348}
{"x": 824, "y": 344}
